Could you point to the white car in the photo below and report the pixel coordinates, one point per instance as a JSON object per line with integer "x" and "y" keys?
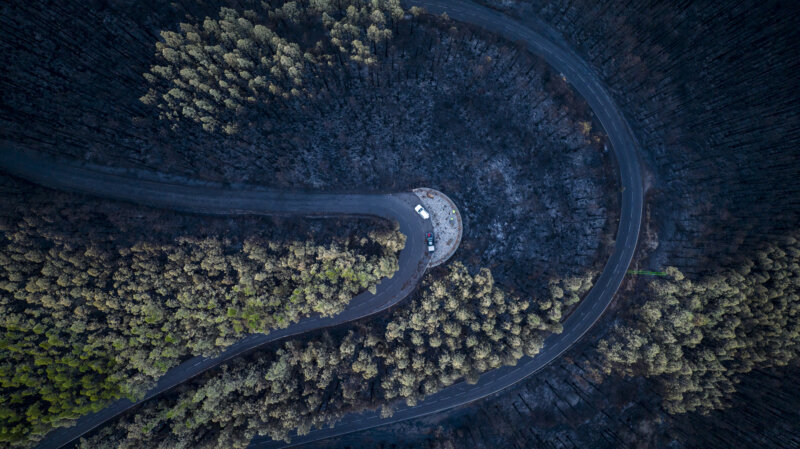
{"x": 422, "y": 212}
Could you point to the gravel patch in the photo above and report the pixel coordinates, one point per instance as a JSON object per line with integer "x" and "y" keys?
{"x": 446, "y": 220}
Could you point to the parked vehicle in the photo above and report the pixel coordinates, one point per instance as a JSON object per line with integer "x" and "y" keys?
{"x": 429, "y": 238}
{"x": 422, "y": 212}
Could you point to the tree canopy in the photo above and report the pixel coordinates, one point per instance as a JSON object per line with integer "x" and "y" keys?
{"x": 89, "y": 314}
{"x": 697, "y": 338}
{"x": 457, "y": 327}
{"x": 210, "y": 72}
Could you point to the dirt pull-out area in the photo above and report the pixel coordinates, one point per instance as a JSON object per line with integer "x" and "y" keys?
{"x": 447, "y": 224}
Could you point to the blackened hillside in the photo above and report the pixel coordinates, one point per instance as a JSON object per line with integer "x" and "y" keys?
{"x": 711, "y": 89}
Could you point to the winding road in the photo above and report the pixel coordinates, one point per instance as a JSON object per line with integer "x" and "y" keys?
{"x": 205, "y": 198}
{"x": 214, "y": 199}
{"x": 547, "y": 44}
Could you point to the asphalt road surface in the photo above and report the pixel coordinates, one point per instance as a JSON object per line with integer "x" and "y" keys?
{"x": 215, "y": 199}
{"x": 547, "y": 44}
{"x": 206, "y": 198}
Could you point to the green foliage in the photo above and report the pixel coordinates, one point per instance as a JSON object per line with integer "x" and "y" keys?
{"x": 697, "y": 338}
{"x": 210, "y": 72}
{"x": 457, "y": 327}
{"x": 88, "y": 314}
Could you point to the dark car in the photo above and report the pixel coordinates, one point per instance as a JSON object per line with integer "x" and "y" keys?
{"x": 429, "y": 238}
